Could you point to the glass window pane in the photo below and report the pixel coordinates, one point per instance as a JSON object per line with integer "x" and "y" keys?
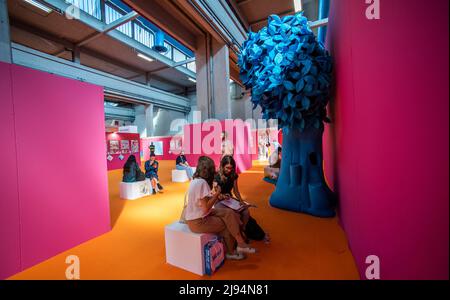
{"x": 143, "y": 35}
{"x": 191, "y": 66}
{"x": 92, "y": 7}
{"x": 178, "y": 55}
{"x": 112, "y": 14}
{"x": 169, "y": 51}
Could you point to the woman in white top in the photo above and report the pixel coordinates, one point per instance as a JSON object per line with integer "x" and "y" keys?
{"x": 201, "y": 217}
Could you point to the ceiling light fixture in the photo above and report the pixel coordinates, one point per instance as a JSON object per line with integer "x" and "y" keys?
{"x": 145, "y": 57}
{"x": 192, "y": 79}
{"x": 39, "y": 5}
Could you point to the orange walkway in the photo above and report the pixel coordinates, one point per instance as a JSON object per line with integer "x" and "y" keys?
{"x": 303, "y": 247}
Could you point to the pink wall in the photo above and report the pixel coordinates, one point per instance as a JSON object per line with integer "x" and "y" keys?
{"x": 116, "y": 163}
{"x": 55, "y": 152}
{"x": 387, "y": 152}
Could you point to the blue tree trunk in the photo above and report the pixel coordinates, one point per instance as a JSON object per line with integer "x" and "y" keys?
{"x": 301, "y": 185}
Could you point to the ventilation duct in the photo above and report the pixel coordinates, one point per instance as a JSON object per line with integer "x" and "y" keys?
{"x": 159, "y": 42}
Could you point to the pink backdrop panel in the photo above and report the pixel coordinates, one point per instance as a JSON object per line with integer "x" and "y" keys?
{"x": 9, "y": 199}
{"x": 116, "y": 163}
{"x": 387, "y": 151}
{"x": 63, "y": 185}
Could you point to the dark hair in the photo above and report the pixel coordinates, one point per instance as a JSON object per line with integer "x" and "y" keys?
{"x": 130, "y": 161}
{"x": 206, "y": 169}
{"x": 279, "y": 149}
{"x": 227, "y": 160}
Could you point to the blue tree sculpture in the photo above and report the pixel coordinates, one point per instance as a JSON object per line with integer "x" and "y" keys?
{"x": 289, "y": 73}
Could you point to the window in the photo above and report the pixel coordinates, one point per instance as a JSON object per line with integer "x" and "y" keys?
{"x": 191, "y": 66}
{"x": 143, "y": 35}
{"x": 92, "y": 7}
{"x": 178, "y": 55}
{"x": 168, "y": 54}
{"x": 111, "y": 15}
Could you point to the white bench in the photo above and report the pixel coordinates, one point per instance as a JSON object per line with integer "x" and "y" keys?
{"x": 185, "y": 249}
{"x": 181, "y": 175}
{"x": 135, "y": 190}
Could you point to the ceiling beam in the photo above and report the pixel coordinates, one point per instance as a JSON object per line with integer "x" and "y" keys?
{"x": 239, "y": 14}
{"x": 318, "y": 23}
{"x": 168, "y": 19}
{"x": 243, "y": 2}
{"x": 107, "y": 28}
{"x": 192, "y": 59}
{"x": 282, "y": 14}
{"x": 83, "y": 50}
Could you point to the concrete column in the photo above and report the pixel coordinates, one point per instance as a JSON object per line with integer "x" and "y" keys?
{"x": 221, "y": 81}
{"x": 139, "y": 120}
{"x": 144, "y": 120}
{"x": 203, "y": 78}
{"x": 5, "y": 38}
{"x": 150, "y": 128}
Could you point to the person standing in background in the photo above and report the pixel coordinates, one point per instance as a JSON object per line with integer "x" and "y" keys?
{"x": 227, "y": 145}
{"x": 152, "y": 148}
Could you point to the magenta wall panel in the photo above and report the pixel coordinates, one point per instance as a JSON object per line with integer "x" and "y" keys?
{"x": 9, "y": 198}
{"x": 387, "y": 152}
{"x": 61, "y": 167}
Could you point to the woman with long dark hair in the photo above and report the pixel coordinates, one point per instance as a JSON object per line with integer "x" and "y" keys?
{"x": 131, "y": 171}
{"x": 201, "y": 217}
{"x": 227, "y": 180}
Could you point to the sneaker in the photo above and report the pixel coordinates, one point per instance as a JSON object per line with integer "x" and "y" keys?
{"x": 160, "y": 186}
{"x": 153, "y": 192}
{"x": 235, "y": 256}
{"x": 246, "y": 249}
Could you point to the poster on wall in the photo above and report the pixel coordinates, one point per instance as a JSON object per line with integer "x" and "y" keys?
{"x": 114, "y": 147}
{"x": 134, "y": 146}
{"x": 158, "y": 147}
{"x": 125, "y": 146}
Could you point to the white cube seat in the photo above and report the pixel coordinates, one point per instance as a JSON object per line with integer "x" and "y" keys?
{"x": 185, "y": 249}
{"x": 181, "y": 175}
{"x": 135, "y": 190}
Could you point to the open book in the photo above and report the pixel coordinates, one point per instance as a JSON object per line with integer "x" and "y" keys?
{"x": 235, "y": 204}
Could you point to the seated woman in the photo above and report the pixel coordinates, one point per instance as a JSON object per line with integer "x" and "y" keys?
{"x": 182, "y": 164}
{"x": 227, "y": 180}
{"x": 131, "y": 171}
{"x": 201, "y": 217}
{"x": 151, "y": 172}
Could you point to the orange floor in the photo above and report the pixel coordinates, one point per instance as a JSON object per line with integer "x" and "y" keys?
{"x": 303, "y": 247}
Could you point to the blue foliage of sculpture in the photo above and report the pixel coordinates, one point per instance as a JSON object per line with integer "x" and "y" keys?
{"x": 289, "y": 72}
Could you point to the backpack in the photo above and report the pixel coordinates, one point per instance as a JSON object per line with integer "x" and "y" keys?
{"x": 253, "y": 231}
